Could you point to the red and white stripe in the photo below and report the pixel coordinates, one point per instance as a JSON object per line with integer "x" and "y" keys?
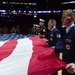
{"x": 20, "y": 57}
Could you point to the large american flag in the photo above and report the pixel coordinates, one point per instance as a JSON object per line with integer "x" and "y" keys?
{"x": 28, "y": 56}
{"x": 11, "y": 36}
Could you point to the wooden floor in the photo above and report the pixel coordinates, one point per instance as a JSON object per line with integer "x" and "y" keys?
{"x": 60, "y": 72}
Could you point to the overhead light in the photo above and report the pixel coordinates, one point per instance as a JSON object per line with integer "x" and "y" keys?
{"x": 4, "y": 2}
{"x": 2, "y": 10}
{"x": 24, "y": 11}
{"x": 14, "y": 11}
{"x": 73, "y": 9}
{"x": 21, "y": 3}
{"x": 70, "y": 2}
{"x": 19, "y": 10}
{"x": 35, "y": 16}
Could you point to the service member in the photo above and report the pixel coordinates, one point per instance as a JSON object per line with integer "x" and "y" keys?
{"x": 69, "y": 42}
{"x": 42, "y": 30}
{"x": 54, "y": 38}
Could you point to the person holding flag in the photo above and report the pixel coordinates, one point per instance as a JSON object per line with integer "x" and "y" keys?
{"x": 69, "y": 42}
{"x": 42, "y": 29}
{"x": 54, "y": 38}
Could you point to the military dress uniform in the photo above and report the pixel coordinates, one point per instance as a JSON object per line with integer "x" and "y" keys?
{"x": 54, "y": 39}
{"x": 69, "y": 47}
{"x": 42, "y": 31}
{"x": 35, "y": 29}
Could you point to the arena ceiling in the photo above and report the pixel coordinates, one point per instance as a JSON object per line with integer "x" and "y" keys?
{"x": 37, "y": 4}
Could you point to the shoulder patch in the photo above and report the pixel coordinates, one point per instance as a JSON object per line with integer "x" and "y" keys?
{"x": 58, "y": 35}
{"x": 44, "y": 30}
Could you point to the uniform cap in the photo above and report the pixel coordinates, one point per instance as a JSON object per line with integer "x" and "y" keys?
{"x": 41, "y": 20}
{"x": 36, "y": 25}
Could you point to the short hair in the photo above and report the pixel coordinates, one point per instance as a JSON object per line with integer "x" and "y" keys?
{"x": 69, "y": 12}
{"x": 53, "y": 21}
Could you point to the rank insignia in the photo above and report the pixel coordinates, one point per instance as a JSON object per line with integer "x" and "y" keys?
{"x": 58, "y": 35}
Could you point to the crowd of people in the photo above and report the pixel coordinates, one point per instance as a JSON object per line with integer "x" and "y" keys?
{"x": 65, "y": 43}
{"x": 7, "y": 30}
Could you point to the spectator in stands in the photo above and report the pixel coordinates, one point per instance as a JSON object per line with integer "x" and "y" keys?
{"x": 5, "y": 29}
{"x": 13, "y": 30}
{"x": 17, "y": 29}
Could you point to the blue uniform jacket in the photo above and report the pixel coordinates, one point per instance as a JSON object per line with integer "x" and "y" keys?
{"x": 54, "y": 39}
{"x": 69, "y": 46}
